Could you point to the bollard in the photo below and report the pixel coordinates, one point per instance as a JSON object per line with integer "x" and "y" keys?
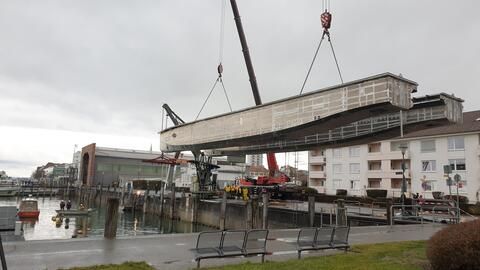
{"x": 341, "y": 213}
{"x": 111, "y": 218}
{"x": 223, "y": 209}
{"x": 311, "y": 210}
{"x": 265, "y": 197}
{"x": 2, "y": 255}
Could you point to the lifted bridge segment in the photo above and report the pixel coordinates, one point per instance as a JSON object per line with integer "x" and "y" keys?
{"x": 294, "y": 117}
{"x": 428, "y": 111}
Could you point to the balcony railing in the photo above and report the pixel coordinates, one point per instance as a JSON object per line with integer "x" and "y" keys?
{"x": 387, "y": 174}
{"x": 317, "y": 159}
{"x": 387, "y": 155}
{"x": 317, "y": 174}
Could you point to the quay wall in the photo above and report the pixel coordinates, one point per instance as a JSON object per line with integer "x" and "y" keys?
{"x": 208, "y": 212}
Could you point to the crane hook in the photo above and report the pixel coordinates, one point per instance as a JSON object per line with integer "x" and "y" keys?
{"x": 220, "y": 70}
{"x": 326, "y": 19}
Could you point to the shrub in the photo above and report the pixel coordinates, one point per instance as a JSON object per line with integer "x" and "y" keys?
{"x": 310, "y": 191}
{"x": 377, "y": 193}
{"x": 455, "y": 247}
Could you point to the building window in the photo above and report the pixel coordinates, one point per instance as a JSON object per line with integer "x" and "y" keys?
{"x": 429, "y": 165}
{"x": 354, "y": 151}
{"x": 374, "y": 165}
{"x": 427, "y": 146}
{"x": 457, "y": 164}
{"x": 337, "y": 153}
{"x": 395, "y": 146}
{"x": 337, "y": 168}
{"x": 456, "y": 143}
{"x": 374, "y": 147}
{"x": 396, "y": 183}
{"x": 337, "y": 183}
{"x": 354, "y": 184}
{"x": 374, "y": 183}
{"x": 354, "y": 167}
{"x": 428, "y": 185}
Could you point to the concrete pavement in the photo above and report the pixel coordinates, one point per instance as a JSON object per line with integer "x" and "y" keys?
{"x": 172, "y": 251}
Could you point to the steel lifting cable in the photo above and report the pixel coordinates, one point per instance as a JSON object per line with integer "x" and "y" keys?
{"x": 220, "y": 58}
{"x": 205, "y": 102}
{"x": 326, "y": 19}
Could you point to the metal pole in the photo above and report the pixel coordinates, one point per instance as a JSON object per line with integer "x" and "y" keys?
{"x": 246, "y": 53}
{"x": 458, "y": 204}
{"x": 2, "y": 255}
{"x": 404, "y": 184}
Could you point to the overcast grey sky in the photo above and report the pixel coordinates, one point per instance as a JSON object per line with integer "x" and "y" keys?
{"x": 76, "y": 72}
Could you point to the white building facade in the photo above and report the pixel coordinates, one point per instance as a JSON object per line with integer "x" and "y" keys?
{"x": 255, "y": 160}
{"x": 378, "y": 165}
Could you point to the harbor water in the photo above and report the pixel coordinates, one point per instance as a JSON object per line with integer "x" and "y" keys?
{"x": 129, "y": 223}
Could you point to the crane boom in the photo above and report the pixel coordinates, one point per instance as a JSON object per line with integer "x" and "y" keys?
{"x": 246, "y": 53}
{"x": 272, "y": 161}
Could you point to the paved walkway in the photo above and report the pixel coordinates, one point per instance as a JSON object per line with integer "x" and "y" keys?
{"x": 172, "y": 251}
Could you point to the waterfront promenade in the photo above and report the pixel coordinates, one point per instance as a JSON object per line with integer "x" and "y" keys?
{"x": 171, "y": 251}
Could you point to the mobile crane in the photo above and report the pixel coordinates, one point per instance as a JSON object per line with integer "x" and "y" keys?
{"x": 275, "y": 177}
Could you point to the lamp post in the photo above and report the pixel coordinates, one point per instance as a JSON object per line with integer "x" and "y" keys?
{"x": 403, "y": 148}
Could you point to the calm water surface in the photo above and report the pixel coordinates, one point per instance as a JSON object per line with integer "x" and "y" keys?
{"x": 128, "y": 224}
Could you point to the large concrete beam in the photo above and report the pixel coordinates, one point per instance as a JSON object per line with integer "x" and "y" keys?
{"x": 427, "y": 112}
{"x": 295, "y": 116}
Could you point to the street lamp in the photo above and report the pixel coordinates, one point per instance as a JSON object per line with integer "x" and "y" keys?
{"x": 403, "y": 148}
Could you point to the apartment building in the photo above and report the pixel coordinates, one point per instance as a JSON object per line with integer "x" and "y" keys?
{"x": 378, "y": 165}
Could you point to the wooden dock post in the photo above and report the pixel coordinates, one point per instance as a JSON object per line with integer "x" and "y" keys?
{"x": 172, "y": 201}
{"x": 249, "y": 213}
{"x": 341, "y": 215}
{"x": 145, "y": 200}
{"x": 2, "y": 255}
{"x": 389, "y": 211}
{"x": 223, "y": 209}
{"x": 265, "y": 210}
{"x": 162, "y": 194}
{"x": 311, "y": 210}
{"x": 111, "y": 218}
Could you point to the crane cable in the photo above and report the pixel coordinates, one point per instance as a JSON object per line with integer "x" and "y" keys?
{"x": 220, "y": 58}
{"x": 326, "y": 19}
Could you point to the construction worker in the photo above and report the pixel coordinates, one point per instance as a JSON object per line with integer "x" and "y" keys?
{"x": 62, "y": 205}
{"x": 69, "y": 204}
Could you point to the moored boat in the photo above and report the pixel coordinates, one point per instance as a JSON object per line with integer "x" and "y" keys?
{"x": 28, "y": 208}
{"x": 74, "y": 212}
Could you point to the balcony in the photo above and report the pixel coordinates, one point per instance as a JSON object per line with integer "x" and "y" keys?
{"x": 387, "y": 174}
{"x": 317, "y": 159}
{"x": 317, "y": 174}
{"x": 387, "y": 155}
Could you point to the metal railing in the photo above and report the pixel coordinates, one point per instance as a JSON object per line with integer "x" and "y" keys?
{"x": 414, "y": 214}
{"x": 362, "y": 127}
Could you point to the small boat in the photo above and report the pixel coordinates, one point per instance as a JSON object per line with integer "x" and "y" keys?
{"x": 28, "y": 208}
{"x": 75, "y": 212}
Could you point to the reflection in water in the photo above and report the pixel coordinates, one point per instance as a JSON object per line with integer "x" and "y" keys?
{"x": 48, "y": 226}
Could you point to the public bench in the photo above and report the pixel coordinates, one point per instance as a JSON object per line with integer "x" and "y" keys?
{"x": 322, "y": 238}
{"x": 233, "y": 243}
